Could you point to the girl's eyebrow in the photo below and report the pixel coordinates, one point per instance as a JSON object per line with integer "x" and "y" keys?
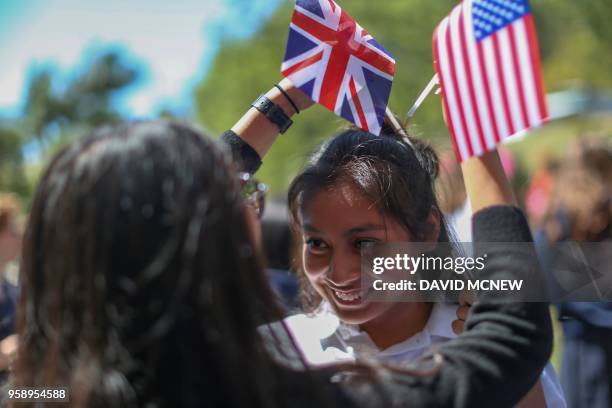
{"x": 310, "y": 228}
{"x": 364, "y": 228}
{"x": 355, "y": 230}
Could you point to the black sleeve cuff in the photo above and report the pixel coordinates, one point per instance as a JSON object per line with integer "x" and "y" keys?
{"x": 245, "y": 157}
{"x": 500, "y": 223}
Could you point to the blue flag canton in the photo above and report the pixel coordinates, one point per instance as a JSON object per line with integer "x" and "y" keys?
{"x": 311, "y": 5}
{"x": 489, "y": 16}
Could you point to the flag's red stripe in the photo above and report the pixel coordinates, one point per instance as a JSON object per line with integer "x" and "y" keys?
{"x": 535, "y": 62}
{"x": 358, "y": 108}
{"x": 517, "y": 75}
{"x": 313, "y": 27}
{"x": 468, "y": 74}
{"x": 489, "y": 98}
{"x": 502, "y": 85}
{"x": 375, "y": 59}
{"x": 451, "y": 60}
{"x": 332, "y": 80}
{"x": 347, "y": 28}
{"x": 441, "y": 79}
{"x": 303, "y": 64}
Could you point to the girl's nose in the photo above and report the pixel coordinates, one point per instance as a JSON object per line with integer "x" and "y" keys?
{"x": 344, "y": 269}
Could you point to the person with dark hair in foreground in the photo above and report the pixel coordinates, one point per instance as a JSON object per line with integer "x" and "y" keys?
{"x": 142, "y": 286}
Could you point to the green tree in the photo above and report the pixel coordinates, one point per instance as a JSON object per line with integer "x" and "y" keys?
{"x": 85, "y": 102}
{"x": 575, "y": 42}
{"x": 12, "y": 177}
{"x": 52, "y": 116}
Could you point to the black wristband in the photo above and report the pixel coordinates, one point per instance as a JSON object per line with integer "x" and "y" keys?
{"x": 286, "y": 95}
{"x": 273, "y": 112}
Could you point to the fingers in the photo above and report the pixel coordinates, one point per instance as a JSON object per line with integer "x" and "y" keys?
{"x": 458, "y": 326}
{"x": 462, "y": 312}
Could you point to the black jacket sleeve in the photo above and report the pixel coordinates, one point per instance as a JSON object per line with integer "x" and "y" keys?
{"x": 245, "y": 157}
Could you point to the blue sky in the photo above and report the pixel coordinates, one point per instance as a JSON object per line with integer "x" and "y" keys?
{"x": 172, "y": 42}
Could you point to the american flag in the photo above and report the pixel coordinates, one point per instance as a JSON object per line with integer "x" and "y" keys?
{"x": 487, "y": 60}
{"x": 331, "y": 58}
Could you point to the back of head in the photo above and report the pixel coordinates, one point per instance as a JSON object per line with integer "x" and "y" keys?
{"x": 140, "y": 282}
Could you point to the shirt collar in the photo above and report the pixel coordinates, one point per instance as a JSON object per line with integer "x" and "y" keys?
{"x": 438, "y": 327}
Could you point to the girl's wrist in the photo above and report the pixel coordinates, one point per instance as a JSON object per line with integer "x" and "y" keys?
{"x": 294, "y": 96}
{"x": 276, "y": 96}
{"x": 257, "y": 130}
{"x": 486, "y": 183}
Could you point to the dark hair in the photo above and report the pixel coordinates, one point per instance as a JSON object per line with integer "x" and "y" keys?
{"x": 140, "y": 284}
{"x": 393, "y": 170}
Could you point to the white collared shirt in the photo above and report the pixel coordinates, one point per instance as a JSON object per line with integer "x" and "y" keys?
{"x": 323, "y": 340}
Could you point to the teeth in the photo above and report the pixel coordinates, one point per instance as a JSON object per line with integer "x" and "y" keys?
{"x": 347, "y": 297}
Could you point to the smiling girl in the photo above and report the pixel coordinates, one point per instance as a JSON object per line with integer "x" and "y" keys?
{"x": 360, "y": 188}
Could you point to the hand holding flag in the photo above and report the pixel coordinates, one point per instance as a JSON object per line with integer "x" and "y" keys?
{"x": 334, "y": 61}
{"x": 487, "y": 60}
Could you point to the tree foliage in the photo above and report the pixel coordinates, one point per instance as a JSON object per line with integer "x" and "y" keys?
{"x": 12, "y": 177}
{"x": 85, "y": 101}
{"x": 51, "y": 116}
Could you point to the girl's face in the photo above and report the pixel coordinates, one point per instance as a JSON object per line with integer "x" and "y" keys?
{"x": 335, "y": 223}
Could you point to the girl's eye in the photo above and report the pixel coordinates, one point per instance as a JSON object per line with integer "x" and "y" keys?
{"x": 316, "y": 245}
{"x": 361, "y": 241}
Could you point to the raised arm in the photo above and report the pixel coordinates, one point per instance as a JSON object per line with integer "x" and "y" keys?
{"x": 497, "y": 219}
{"x": 486, "y": 183}
{"x": 253, "y": 135}
{"x": 259, "y": 132}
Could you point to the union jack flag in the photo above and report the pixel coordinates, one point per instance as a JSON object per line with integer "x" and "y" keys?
{"x": 331, "y": 58}
{"x": 487, "y": 60}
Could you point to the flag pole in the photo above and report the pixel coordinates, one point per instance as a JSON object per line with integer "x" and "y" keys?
{"x": 398, "y": 128}
{"x": 430, "y": 86}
